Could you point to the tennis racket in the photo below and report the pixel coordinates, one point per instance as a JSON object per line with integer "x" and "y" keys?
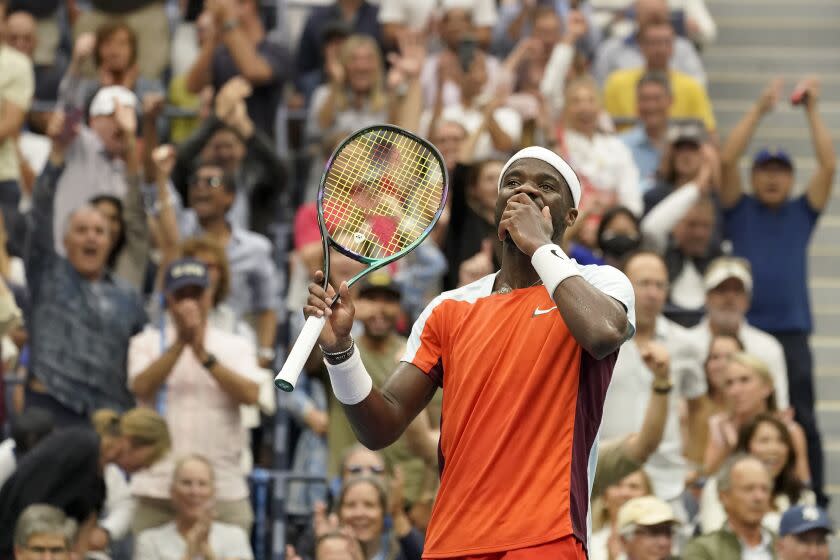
{"x": 381, "y": 193}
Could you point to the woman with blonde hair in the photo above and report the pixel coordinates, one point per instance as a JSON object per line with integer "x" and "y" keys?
{"x": 749, "y": 392}
{"x": 66, "y": 469}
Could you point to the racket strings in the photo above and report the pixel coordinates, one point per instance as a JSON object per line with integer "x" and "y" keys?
{"x": 381, "y": 193}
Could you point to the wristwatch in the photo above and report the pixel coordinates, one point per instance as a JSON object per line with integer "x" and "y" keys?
{"x": 662, "y": 388}
{"x": 209, "y": 362}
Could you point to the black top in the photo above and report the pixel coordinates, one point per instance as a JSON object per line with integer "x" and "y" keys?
{"x": 466, "y": 229}
{"x": 63, "y": 471}
{"x": 38, "y": 8}
{"x": 263, "y": 102}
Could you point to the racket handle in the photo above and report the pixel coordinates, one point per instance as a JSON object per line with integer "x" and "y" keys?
{"x": 288, "y": 376}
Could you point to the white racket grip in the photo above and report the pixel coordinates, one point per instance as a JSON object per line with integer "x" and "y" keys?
{"x": 288, "y": 376}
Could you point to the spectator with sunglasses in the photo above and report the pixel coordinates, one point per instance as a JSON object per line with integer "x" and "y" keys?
{"x": 205, "y": 374}
{"x": 254, "y": 279}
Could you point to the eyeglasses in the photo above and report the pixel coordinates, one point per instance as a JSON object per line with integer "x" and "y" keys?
{"x": 213, "y": 182}
{"x": 359, "y": 469}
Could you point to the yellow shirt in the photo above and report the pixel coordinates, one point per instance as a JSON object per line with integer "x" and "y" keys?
{"x": 690, "y": 99}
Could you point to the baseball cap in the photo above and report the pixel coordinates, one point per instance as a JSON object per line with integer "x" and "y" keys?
{"x": 335, "y": 29}
{"x": 724, "y": 268}
{"x": 185, "y": 272}
{"x": 692, "y": 131}
{"x": 767, "y": 155}
{"x": 800, "y": 519}
{"x": 646, "y": 511}
{"x": 379, "y": 281}
{"x": 104, "y": 102}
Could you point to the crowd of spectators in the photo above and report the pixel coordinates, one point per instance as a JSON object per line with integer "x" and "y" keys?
{"x": 159, "y": 162}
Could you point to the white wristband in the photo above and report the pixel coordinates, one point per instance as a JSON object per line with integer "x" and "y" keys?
{"x": 553, "y": 266}
{"x": 350, "y": 380}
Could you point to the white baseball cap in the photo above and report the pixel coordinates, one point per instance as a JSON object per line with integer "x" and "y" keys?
{"x": 724, "y": 268}
{"x": 105, "y": 100}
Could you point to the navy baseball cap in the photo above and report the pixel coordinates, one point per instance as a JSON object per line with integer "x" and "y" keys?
{"x": 767, "y": 155}
{"x": 801, "y": 519}
{"x": 185, "y": 272}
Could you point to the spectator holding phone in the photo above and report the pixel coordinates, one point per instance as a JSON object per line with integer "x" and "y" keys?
{"x": 772, "y": 230}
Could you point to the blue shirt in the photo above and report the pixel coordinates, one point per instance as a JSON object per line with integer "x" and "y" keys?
{"x": 775, "y": 241}
{"x": 645, "y": 154}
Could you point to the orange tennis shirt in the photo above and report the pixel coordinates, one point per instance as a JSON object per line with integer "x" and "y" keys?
{"x": 522, "y": 403}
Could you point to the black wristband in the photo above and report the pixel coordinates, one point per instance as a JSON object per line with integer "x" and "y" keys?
{"x": 662, "y": 390}
{"x": 209, "y": 362}
{"x": 335, "y": 358}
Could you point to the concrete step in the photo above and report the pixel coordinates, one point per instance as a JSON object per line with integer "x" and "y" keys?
{"x": 721, "y": 9}
{"x": 749, "y": 85}
{"x": 793, "y": 61}
{"x": 759, "y": 31}
{"x": 824, "y": 291}
{"x": 823, "y": 260}
{"x": 783, "y": 117}
{"x": 826, "y": 350}
{"x": 828, "y": 232}
{"x": 828, "y": 388}
{"x": 827, "y": 322}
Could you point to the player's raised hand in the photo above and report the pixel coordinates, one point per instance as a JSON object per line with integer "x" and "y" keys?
{"x": 335, "y": 336}
{"x": 529, "y": 227}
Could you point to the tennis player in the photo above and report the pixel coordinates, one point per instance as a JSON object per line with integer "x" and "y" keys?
{"x": 524, "y": 357}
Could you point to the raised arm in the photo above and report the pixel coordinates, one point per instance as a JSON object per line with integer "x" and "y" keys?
{"x": 819, "y": 186}
{"x": 252, "y": 65}
{"x": 404, "y": 80}
{"x": 40, "y": 244}
{"x": 731, "y": 189}
{"x": 378, "y": 416}
{"x": 641, "y": 445}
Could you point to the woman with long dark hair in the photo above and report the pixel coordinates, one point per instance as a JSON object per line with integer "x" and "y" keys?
{"x": 768, "y": 439}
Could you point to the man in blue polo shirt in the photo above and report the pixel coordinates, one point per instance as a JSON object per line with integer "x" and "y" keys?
{"x": 772, "y": 230}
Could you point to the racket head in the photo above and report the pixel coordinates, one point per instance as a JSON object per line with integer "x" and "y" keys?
{"x": 382, "y": 191}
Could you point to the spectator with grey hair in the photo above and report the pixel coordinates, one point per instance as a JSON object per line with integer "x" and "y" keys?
{"x": 44, "y": 529}
{"x": 82, "y": 316}
{"x": 744, "y": 487}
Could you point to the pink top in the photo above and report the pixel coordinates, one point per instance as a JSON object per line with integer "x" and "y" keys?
{"x": 202, "y": 418}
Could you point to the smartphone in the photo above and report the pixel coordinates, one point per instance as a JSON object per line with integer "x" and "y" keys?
{"x": 72, "y": 119}
{"x": 466, "y": 52}
{"x": 799, "y": 96}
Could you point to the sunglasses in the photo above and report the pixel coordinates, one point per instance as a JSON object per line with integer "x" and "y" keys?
{"x": 359, "y": 469}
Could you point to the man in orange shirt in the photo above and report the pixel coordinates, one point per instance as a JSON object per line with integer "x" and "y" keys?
{"x": 524, "y": 357}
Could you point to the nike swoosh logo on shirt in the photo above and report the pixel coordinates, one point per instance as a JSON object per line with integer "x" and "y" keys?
{"x": 539, "y": 311}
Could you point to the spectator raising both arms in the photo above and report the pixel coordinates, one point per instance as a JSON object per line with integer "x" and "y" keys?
{"x": 770, "y": 225}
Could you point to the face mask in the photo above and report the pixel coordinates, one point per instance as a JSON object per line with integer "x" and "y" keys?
{"x": 619, "y": 244}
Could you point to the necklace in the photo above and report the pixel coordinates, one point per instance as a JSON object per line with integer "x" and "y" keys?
{"x": 506, "y": 289}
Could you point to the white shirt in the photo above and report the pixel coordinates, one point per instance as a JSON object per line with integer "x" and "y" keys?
{"x": 202, "y": 418}
{"x": 762, "y": 551}
{"x": 608, "y": 164}
{"x": 758, "y": 343}
{"x": 471, "y": 119}
{"x": 629, "y": 393}
{"x": 227, "y": 542}
{"x": 418, "y": 13}
{"x": 8, "y": 461}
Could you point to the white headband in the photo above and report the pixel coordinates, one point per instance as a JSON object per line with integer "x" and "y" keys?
{"x": 552, "y": 159}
